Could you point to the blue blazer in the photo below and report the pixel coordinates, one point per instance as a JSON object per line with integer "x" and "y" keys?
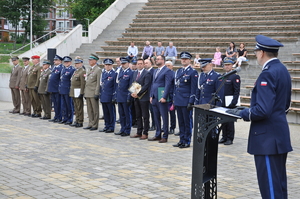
{"x": 163, "y": 79}
{"x": 232, "y": 87}
{"x": 185, "y": 86}
{"x": 270, "y": 100}
{"x": 108, "y": 86}
{"x": 54, "y": 79}
{"x": 65, "y": 80}
{"x": 125, "y": 80}
{"x": 145, "y": 82}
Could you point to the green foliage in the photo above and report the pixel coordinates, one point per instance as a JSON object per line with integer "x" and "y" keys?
{"x": 5, "y": 68}
{"x": 6, "y": 48}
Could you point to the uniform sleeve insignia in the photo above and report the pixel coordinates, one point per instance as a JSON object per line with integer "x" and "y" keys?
{"x": 237, "y": 80}
{"x": 263, "y": 83}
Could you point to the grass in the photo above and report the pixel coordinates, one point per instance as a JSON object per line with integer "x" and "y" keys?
{"x": 5, "y": 68}
{"x": 7, "y": 48}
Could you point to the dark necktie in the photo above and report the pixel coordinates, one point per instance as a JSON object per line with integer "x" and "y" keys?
{"x": 138, "y": 76}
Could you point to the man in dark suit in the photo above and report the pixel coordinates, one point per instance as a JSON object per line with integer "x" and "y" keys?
{"x": 123, "y": 98}
{"x": 184, "y": 97}
{"x": 172, "y": 113}
{"x": 269, "y": 138}
{"x": 159, "y": 93}
{"x": 231, "y": 88}
{"x": 141, "y": 100}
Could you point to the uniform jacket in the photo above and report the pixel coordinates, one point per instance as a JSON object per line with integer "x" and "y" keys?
{"x": 92, "y": 84}
{"x": 24, "y": 77}
{"x": 65, "y": 80}
{"x": 15, "y": 77}
{"x": 171, "y": 95}
{"x": 232, "y": 87}
{"x": 145, "y": 81}
{"x": 163, "y": 79}
{"x": 54, "y": 79}
{"x": 78, "y": 81}
{"x": 185, "y": 86}
{"x": 270, "y": 99}
{"x": 124, "y": 82}
{"x": 108, "y": 86}
{"x": 43, "y": 81}
{"x": 33, "y": 76}
{"x": 207, "y": 84}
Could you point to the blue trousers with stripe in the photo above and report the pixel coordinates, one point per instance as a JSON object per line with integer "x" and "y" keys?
{"x": 271, "y": 176}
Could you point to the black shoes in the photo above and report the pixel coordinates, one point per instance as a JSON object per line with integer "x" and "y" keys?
{"x": 119, "y": 133}
{"x": 177, "y": 134}
{"x": 74, "y": 124}
{"x": 171, "y": 131}
{"x": 228, "y": 142}
{"x": 184, "y": 146}
{"x": 78, "y": 125}
{"x": 103, "y": 130}
{"x": 124, "y": 134}
{"x": 177, "y": 145}
{"x": 88, "y": 127}
{"x": 222, "y": 141}
{"x": 53, "y": 120}
{"x": 93, "y": 129}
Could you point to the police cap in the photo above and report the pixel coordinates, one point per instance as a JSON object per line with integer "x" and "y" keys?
{"x": 267, "y": 44}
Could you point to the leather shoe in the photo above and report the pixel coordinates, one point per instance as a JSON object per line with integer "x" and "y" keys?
{"x": 125, "y": 134}
{"x": 228, "y": 142}
{"x": 154, "y": 139}
{"x": 38, "y": 115}
{"x": 136, "y": 136}
{"x": 45, "y": 118}
{"x": 21, "y": 113}
{"x": 103, "y": 130}
{"x": 177, "y": 134}
{"x": 171, "y": 131}
{"x": 163, "y": 140}
{"x": 53, "y": 120}
{"x": 109, "y": 131}
{"x": 15, "y": 112}
{"x": 32, "y": 115}
{"x": 144, "y": 137}
{"x": 93, "y": 129}
{"x": 88, "y": 127}
{"x": 177, "y": 145}
{"x": 62, "y": 122}
{"x": 184, "y": 146}
{"x": 78, "y": 125}
{"x": 74, "y": 124}
{"x": 152, "y": 128}
{"x": 68, "y": 123}
{"x": 119, "y": 133}
{"x": 222, "y": 141}
{"x": 57, "y": 121}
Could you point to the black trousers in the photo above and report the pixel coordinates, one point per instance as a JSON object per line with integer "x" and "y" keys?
{"x": 228, "y": 131}
{"x": 142, "y": 116}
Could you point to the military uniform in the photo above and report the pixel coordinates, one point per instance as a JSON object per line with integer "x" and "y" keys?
{"x": 32, "y": 85}
{"x": 78, "y": 81}
{"x": 14, "y": 86}
{"x": 24, "y": 91}
{"x": 44, "y": 95}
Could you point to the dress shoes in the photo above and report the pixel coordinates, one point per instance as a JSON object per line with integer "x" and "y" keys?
{"x": 74, "y": 124}
{"x": 53, "y": 120}
{"x": 163, "y": 140}
{"x": 184, "y": 146}
{"x": 21, "y": 113}
{"x": 27, "y": 114}
{"x": 62, "y": 122}
{"x": 103, "y": 130}
{"x": 228, "y": 142}
{"x": 134, "y": 126}
{"x": 222, "y": 141}
{"x": 88, "y": 127}
{"x": 154, "y": 139}
{"x": 177, "y": 134}
{"x": 177, "y": 145}
{"x": 125, "y": 134}
{"x": 36, "y": 115}
{"x": 68, "y": 123}
{"x": 171, "y": 131}
{"x": 79, "y": 125}
{"x": 152, "y": 128}
{"x": 144, "y": 137}
{"x": 136, "y": 136}
{"x": 119, "y": 133}
{"x": 32, "y": 115}
{"x": 14, "y": 112}
{"x": 93, "y": 129}
{"x": 109, "y": 131}
{"x": 57, "y": 121}
{"x": 101, "y": 118}
{"x": 44, "y": 118}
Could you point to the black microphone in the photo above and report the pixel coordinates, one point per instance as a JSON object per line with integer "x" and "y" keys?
{"x": 238, "y": 69}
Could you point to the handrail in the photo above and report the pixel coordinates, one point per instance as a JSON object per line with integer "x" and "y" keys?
{"x": 36, "y": 40}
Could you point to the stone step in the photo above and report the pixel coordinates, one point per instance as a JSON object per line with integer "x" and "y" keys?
{"x": 213, "y": 2}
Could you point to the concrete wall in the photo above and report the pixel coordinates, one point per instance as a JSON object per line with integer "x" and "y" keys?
{"x": 5, "y": 94}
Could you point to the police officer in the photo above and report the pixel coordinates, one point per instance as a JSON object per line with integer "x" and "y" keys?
{"x": 231, "y": 88}
{"x": 32, "y": 85}
{"x": 53, "y": 84}
{"x": 92, "y": 91}
{"x": 14, "y": 82}
{"x": 208, "y": 82}
{"x": 107, "y": 94}
{"x": 269, "y": 136}
{"x": 23, "y": 87}
{"x": 184, "y": 97}
{"x": 123, "y": 97}
{"x": 77, "y": 92}
{"x": 67, "y": 108}
{"x": 44, "y": 95}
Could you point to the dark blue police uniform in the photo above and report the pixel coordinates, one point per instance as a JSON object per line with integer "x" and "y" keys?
{"x": 172, "y": 112}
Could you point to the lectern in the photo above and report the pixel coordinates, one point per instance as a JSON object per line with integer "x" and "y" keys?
{"x": 205, "y": 149}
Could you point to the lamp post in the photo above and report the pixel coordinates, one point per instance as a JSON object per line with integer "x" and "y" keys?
{"x": 30, "y": 24}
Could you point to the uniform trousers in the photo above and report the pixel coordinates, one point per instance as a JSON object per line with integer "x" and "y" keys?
{"x": 271, "y": 175}
{"x": 16, "y": 98}
{"x": 172, "y": 118}
{"x": 142, "y": 116}
{"x": 26, "y": 102}
{"x": 56, "y": 100}
{"x": 35, "y": 101}
{"x": 185, "y": 123}
{"x": 78, "y": 108}
{"x": 125, "y": 117}
{"x": 228, "y": 131}
{"x": 109, "y": 115}
{"x": 93, "y": 111}
{"x": 160, "y": 110}
{"x": 152, "y": 114}
{"x": 46, "y": 104}
{"x": 67, "y": 108}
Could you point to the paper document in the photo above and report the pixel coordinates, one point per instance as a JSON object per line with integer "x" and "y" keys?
{"x": 228, "y": 100}
{"x": 223, "y": 110}
{"x": 77, "y": 92}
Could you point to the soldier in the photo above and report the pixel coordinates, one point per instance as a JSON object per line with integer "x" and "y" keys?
{"x": 14, "y": 82}
{"x": 53, "y": 84}
{"x": 92, "y": 91}
{"x": 184, "y": 97}
{"x": 78, "y": 83}
{"x": 23, "y": 87}
{"x": 123, "y": 97}
{"x": 67, "y": 108}
{"x": 44, "y": 95}
{"x": 32, "y": 85}
{"x": 107, "y": 92}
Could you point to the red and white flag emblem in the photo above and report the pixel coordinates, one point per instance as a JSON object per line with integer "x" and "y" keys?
{"x": 263, "y": 83}
{"x": 237, "y": 80}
